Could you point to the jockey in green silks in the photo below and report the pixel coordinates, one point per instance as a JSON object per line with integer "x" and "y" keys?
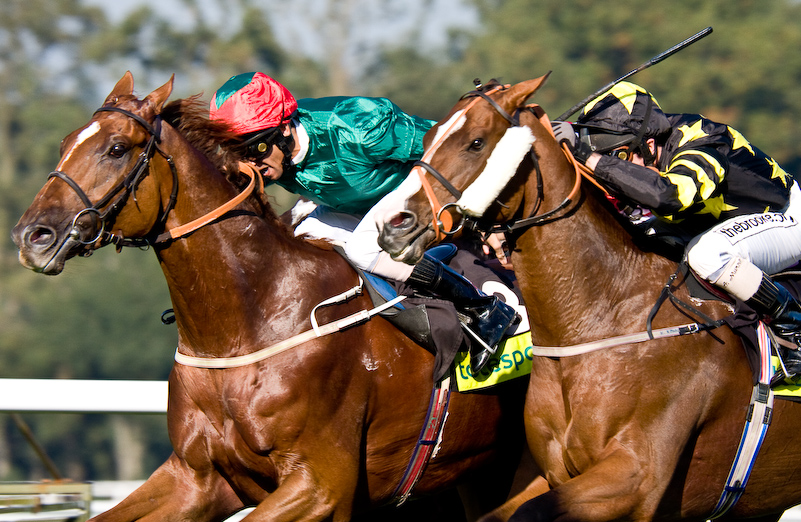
{"x": 345, "y": 154}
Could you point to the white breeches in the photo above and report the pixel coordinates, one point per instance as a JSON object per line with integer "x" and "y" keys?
{"x": 770, "y": 241}
{"x": 359, "y": 237}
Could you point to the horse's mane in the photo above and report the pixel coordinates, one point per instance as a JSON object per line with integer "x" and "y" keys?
{"x": 189, "y": 116}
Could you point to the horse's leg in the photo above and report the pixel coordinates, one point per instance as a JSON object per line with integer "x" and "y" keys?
{"x": 176, "y": 492}
{"x": 324, "y": 491}
{"x": 609, "y": 490}
{"x": 501, "y": 514}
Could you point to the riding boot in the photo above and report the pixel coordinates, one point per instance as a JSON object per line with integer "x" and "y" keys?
{"x": 489, "y": 317}
{"x": 782, "y": 312}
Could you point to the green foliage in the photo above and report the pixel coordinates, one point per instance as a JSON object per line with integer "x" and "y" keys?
{"x": 745, "y": 73}
{"x": 100, "y": 319}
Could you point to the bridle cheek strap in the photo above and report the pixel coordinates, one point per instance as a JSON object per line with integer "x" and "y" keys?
{"x": 442, "y": 224}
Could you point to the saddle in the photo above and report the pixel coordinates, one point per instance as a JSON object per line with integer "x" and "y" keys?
{"x": 432, "y": 323}
{"x": 671, "y": 241}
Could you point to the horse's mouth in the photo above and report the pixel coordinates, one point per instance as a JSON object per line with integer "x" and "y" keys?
{"x": 43, "y": 249}
{"x": 405, "y": 244}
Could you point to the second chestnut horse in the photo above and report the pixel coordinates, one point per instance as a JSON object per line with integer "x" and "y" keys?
{"x": 635, "y": 432}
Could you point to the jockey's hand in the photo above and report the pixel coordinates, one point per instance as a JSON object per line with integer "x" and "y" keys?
{"x": 496, "y": 243}
{"x": 564, "y": 133}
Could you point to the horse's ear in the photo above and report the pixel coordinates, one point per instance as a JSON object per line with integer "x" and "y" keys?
{"x": 160, "y": 95}
{"x": 520, "y": 92}
{"x": 124, "y": 87}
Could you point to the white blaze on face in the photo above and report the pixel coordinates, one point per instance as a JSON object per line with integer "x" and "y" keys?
{"x": 499, "y": 170}
{"x": 84, "y": 135}
{"x": 395, "y": 201}
{"x": 444, "y": 131}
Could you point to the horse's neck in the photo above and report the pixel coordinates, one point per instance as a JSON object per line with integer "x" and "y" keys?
{"x": 242, "y": 276}
{"x": 581, "y": 275}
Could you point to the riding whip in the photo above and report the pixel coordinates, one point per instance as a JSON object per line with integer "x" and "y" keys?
{"x": 653, "y": 61}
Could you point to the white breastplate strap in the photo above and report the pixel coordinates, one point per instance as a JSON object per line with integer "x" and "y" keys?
{"x": 578, "y": 349}
{"x": 316, "y": 331}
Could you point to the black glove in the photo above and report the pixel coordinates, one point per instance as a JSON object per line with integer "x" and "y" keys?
{"x": 564, "y": 133}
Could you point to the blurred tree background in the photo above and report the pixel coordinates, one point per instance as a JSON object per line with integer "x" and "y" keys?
{"x": 100, "y": 319}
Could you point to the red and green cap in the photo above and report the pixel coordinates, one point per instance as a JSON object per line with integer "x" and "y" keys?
{"x": 251, "y": 102}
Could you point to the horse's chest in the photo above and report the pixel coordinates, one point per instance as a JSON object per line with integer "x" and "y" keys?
{"x": 240, "y": 426}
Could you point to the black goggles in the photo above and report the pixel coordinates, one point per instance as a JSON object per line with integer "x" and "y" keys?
{"x": 606, "y": 142}
{"x": 260, "y": 144}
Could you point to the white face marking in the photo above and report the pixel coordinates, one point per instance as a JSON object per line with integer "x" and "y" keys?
{"x": 85, "y": 134}
{"x": 395, "y": 201}
{"x": 444, "y": 131}
{"x": 501, "y": 166}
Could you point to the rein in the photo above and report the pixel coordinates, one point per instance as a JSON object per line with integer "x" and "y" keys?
{"x": 118, "y": 196}
{"x": 581, "y": 172}
{"x": 184, "y": 230}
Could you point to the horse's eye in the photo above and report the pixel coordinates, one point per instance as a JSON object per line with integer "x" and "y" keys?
{"x": 118, "y": 150}
{"x": 477, "y": 144}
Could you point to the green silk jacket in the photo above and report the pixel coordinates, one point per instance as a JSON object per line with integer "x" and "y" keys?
{"x": 360, "y": 149}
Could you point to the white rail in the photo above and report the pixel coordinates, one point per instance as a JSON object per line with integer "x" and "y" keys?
{"x": 82, "y": 396}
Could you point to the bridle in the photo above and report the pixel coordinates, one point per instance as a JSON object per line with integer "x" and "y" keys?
{"x": 109, "y": 206}
{"x": 443, "y": 224}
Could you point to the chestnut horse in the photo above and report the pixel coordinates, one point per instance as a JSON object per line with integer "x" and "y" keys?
{"x": 321, "y": 431}
{"x": 635, "y": 432}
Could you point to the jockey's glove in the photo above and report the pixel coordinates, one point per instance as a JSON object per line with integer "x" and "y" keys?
{"x": 564, "y": 133}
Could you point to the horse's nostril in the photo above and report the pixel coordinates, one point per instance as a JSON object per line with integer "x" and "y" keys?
{"x": 40, "y": 236}
{"x": 402, "y": 220}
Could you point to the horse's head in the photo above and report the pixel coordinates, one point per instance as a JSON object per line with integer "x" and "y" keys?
{"x": 100, "y": 185}
{"x": 474, "y": 153}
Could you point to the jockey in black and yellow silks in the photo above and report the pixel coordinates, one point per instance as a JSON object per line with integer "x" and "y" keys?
{"x": 706, "y": 170}
{"x": 741, "y": 209}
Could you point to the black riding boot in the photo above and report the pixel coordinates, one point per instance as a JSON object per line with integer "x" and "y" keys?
{"x": 782, "y": 312}
{"x": 490, "y": 317}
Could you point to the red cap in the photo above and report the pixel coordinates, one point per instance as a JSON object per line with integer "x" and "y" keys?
{"x": 252, "y": 102}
